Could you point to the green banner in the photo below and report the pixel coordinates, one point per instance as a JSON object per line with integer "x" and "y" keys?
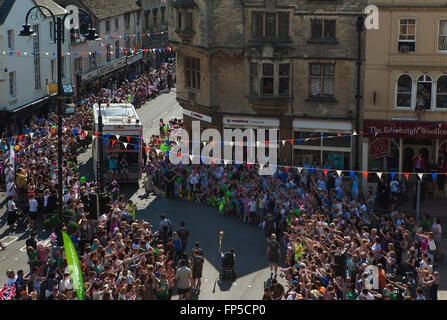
{"x": 73, "y": 266}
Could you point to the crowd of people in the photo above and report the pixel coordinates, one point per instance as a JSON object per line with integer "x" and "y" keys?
{"x": 322, "y": 233}
{"x": 310, "y": 220}
{"x": 122, "y": 258}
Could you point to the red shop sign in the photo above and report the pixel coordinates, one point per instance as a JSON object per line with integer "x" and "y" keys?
{"x": 405, "y": 129}
{"x": 379, "y": 148}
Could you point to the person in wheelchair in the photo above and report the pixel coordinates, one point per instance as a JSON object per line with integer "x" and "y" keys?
{"x": 228, "y": 260}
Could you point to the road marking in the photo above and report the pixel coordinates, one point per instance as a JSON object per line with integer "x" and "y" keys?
{"x": 5, "y": 242}
{"x": 42, "y": 242}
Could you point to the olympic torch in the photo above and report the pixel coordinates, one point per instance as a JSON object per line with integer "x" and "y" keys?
{"x": 220, "y": 240}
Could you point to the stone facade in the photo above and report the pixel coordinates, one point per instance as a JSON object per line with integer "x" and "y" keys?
{"x": 232, "y": 43}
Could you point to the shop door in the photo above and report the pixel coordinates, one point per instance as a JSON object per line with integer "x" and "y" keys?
{"x": 408, "y": 159}
{"x": 425, "y": 154}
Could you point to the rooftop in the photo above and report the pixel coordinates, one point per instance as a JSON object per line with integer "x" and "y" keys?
{"x": 103, "y": 9}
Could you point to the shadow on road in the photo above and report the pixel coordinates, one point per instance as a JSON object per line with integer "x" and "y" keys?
{"x": 204, "y": 224}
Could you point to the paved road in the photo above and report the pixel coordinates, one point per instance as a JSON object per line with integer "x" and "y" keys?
{"x": 204, "y": 224}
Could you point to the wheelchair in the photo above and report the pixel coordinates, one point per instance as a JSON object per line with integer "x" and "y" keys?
{"x": 228, "y": 271}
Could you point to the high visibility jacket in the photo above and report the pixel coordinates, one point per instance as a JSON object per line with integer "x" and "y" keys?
{"x": 131, "y": 211}
{"x": 298, "y": 252}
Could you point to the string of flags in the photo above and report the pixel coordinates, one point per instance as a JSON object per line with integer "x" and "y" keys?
{"x": 84, "y": 53}
{"x": 127, "y": 36}
{"x": 215, "y": 160}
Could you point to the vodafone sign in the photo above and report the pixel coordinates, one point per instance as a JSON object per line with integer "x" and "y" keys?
{"x": 251, "y": 122}
{"x": 197, "y": 115}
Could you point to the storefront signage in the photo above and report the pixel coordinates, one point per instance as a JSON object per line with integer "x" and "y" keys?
{"x": 379, "y": 148}
{"x": 196, "y": 115}
{"x": 111, "y": 66}
{"x": 136, "y": 57}
{"x": 251, "y": 122}
{"x": 405, "y": 129}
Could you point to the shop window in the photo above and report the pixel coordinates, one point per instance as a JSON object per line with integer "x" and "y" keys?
{"x": 424, "y": 92}
{"x": 322, "y": 79}
{"x": 337, "y": 160}
{"x": 332, "y": 140}
{"x": 441, "y": 92}
{"x": 407, "y": 36}
{"x": 117, "y": 24}
{"x": 404, "y": 91}
{"x": 312, "y": 137}
{"x": 107, "y": 26}
{"x": 442, "y": 38}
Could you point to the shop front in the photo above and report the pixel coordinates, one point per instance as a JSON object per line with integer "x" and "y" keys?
{"x": 394, "y": 144}
{"x": 134, "y": 63}
{"x": 256, "y": 124}
{"x": 94, "y": 79}
{"x": 322, "y": 143}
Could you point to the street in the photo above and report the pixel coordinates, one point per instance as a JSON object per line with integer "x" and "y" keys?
{"x": 203, "y": 222}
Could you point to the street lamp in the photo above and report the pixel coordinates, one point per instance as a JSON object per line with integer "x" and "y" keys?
{"x": 360, "y": 27}
{"x": 58, "y": 37}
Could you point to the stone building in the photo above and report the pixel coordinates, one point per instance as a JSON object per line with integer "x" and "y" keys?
{"x": 271, "y": 64}
{"x": 406, "y": 86}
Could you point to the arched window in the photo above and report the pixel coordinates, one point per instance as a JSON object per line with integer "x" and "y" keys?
{"x": 424, "y": 92}
{"x": 441, "y": 92}
{"x": 404, "y": 91}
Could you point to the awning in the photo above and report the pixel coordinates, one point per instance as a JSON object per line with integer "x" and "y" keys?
{"x": 33, "y": 103}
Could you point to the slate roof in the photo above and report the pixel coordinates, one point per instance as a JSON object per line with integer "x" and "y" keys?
{"x": 5, "y": 7}
{"x": 53, "y": 6}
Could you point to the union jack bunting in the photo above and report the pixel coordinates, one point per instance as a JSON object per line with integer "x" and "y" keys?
{"x": 8, "y": 292}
